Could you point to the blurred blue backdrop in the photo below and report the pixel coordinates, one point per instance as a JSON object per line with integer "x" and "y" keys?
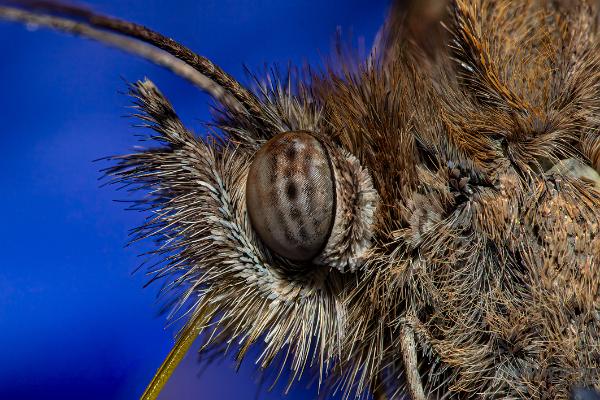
{"x": 74, "y": 322}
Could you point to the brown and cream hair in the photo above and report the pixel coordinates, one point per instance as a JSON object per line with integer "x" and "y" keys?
{"x": 420, "y": 222}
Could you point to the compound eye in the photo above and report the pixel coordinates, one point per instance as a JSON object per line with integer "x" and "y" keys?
{"x": 290, "y": 195}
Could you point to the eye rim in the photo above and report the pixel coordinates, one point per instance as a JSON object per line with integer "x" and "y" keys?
{"x": 356, "y": 213}
{"x": 277, "y": 147}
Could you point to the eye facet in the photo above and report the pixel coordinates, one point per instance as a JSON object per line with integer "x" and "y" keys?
{"x": 290, "y": 195}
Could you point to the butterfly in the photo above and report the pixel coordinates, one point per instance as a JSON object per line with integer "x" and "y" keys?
{"x": 419, "y": 221}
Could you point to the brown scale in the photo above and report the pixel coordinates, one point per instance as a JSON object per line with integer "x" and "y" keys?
{"x": 449, "y": 209}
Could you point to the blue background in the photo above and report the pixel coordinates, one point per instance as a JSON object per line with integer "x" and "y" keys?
{"x": 74, "y": 322}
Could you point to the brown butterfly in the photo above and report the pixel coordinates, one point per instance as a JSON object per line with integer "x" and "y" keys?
{"x": 423, "y": 221}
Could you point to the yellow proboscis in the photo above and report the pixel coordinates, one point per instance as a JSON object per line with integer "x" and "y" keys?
{"x": 177, "y": 353}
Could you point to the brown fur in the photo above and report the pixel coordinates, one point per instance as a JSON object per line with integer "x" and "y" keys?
{"x": 482, "y": 254}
